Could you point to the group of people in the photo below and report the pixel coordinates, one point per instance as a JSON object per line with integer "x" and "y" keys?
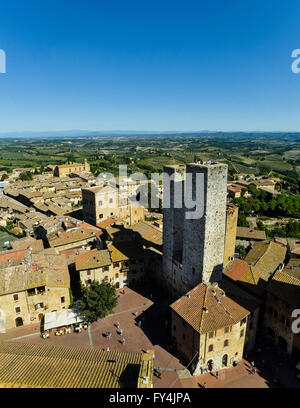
{"x": 119, "y": 331}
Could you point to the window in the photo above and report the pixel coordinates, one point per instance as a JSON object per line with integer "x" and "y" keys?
{"x": 18, "y": 309}
{"x": 117, "y": 275}
{"x": 105, "y": 268}
{"x": 211, "y": 334}
{"x": 88, "y": 273}
{"x": 116, "y": 264}
{"x": 226, "y": 343}
{"x": 100, "y": 215}
{"x": 210, "y": 348}
{"x": 242, "y": 333}
{"x": 39, "y": 306}
{"x": 226, "y": 329}
{"x": 62, "y": 299}
{"x": 16, "y": 297}
{"x": 100, "y": 202}
{"x": 106, "y": 278}
{"x": 193, "y": 270}
{"x": 243, "y": 321}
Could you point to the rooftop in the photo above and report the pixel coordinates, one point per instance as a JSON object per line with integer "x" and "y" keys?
{"x": 207, "y": 308}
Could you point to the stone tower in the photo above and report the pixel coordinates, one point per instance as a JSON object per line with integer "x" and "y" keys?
{"x": 173, "y": 218}
{"x": 203, "y": 240}
{"x": 230, "y": 235}
{"x": 193, "y": 248}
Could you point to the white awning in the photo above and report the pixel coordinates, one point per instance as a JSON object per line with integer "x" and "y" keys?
{"x": 64, "y": 317}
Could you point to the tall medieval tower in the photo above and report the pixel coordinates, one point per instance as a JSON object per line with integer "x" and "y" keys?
{"x": 193, "y": 248}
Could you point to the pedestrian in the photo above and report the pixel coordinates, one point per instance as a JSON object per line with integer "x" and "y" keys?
{"x": 217, "y": 375}
{"x": 121, "y": 332}
{"x": 254, "y": 370}
{"x": 252, "y": 363}
{"x": 107, "y": 349}
{"x": 123, "y": 341}
{"x": 204, "y": 385}
{"x": 158, "y": 373}
{"x": 139, "y": 323}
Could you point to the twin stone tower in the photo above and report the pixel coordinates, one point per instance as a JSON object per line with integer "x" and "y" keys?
{"x": 193, "y": 238}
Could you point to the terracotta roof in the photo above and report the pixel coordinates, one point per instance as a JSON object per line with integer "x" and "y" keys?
{"x": 104, "y": 224}
{"x": 207, "y": 308}
{"x": 248, "y": 233}
{"x": 31, "y": 365}
{"x": 236, "y": 269}
{"x": 148, "y": 232}
{"x": 285, "y": 283}
{"x": 24, "y": 243}
{"x": 266, "y": 257}
{"x": 93, "y": 259}
{"x": 13, "y": 256}
{"x": 43, "y": 268}
{"x": 75, "y": 235}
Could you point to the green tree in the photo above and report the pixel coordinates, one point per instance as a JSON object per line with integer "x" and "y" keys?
{"x": 4, "y": 177}
{"x": 241, "y": 251}
{"x": 25, "y": 175}
{"x": 9, "y": 225}
{"x": 97, "y": 301}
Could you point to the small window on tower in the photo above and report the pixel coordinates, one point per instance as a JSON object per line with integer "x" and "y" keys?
{"x": 193, "y": 270}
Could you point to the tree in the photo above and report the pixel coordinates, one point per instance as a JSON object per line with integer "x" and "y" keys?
{"x": 9, "y": 225}
{"x": 25, "y": 175}
{"x": 4, "y": 177}
{"x": 97, "y": 301}
{"x": 241, "y": 251}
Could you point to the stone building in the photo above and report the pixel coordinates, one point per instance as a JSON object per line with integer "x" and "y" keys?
{"x": 30, "y": 285}
{"x": 75, "y": 237}
{"x": 246, "y": 236}
{"x": 230, "y": 234}
{"x": 122, "y": 264}
{"x": 208, "y": 329}
{"x": 193, "y": 244}
{"x": 68, "y": 168}
{"x": 103, "y": 202}
{"x": 283, "y": 297}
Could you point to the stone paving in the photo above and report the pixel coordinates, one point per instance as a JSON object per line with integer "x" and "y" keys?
{"x": 153, "y": 334}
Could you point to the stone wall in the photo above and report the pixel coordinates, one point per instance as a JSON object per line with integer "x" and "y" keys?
{"x": 203, "y": 246}
{"x": 230, "y": 235}
{"x": 51, "y": 300}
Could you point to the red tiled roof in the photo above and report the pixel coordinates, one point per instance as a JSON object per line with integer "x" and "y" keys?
{"x": 104, "y": 224}
{"x": 207, "y": 308}
{"x": 236, "y": 269}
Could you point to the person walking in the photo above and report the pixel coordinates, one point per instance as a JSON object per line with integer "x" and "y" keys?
{"x": 204, "y": 385}
{"x": 217, "y": 375}
{"x": 123, "y": 341}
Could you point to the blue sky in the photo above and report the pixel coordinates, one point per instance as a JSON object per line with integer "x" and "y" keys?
{"x": 149, "y": 65}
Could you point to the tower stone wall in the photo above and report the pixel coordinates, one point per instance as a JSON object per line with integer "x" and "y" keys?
{"x": 230, "y": 235}
{"x": 193, "y": 248}
{"x": 173, "y": 218}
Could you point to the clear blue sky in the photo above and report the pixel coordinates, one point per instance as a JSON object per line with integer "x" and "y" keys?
{"x": 149, "y": 65}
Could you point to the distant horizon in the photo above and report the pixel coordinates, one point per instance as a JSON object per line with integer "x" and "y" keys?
{"x": 116, "y": 132}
